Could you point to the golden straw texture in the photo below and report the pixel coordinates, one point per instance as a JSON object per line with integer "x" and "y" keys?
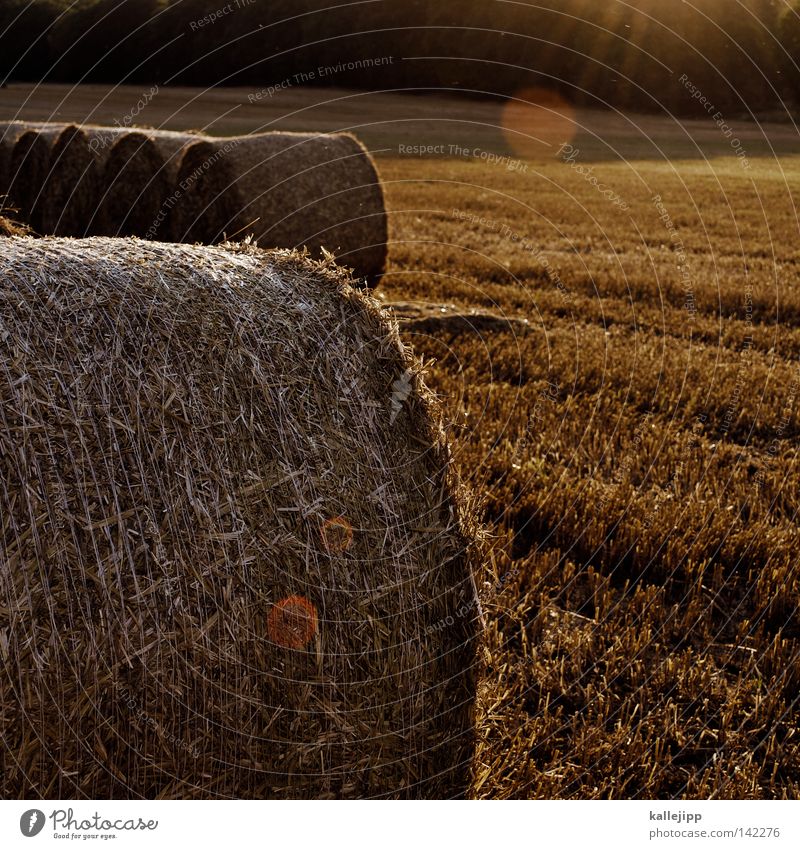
{"x": 234, "y": 557}
{"x": 286, "y": 190}
{"x": 138, "y": 180}
{"x": 11, "y": 228}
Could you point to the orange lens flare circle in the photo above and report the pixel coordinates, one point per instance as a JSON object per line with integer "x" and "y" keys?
{"x": 292, "y": 622}
{"x": 337, "y": 535}
{"x": 537, "y": 121}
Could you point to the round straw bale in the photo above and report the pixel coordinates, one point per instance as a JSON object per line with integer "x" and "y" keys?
{"x": 286, "y": 190}
{"x": 71, "y": 186}
{"x": 234, "y": 557}
{"x": 30, "y": 165}
{"x": 74, "y": 187}
{"x": 139, "y": 178}
{"x": 171, "y": 147}
{"x": 10, "y": 132}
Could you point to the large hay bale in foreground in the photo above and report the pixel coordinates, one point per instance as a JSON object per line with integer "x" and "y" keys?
{"x": 30, "y": 167}
{"x": 234, "y": 560}
{"x": 286, "y": 190}
{"x": 138, "y": 183}
{"x": 75, "y": 181}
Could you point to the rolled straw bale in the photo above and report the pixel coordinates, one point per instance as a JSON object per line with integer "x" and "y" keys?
{"x": 75, "y": 183}
{"x": 286, "y": 190}
{"x": 30, "y": 166}
{"x": 138, "y": 182}
{"x": 234, "y": 557}
{"x": 10, "y": 132}
{"x": 102, "y": 139}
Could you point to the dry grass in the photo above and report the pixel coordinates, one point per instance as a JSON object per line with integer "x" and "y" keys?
{"x": 286, "y": 190}
{"x": 8, "y": 227}
{"x": 638, "y": 460}
{"x": 228, "y": 538}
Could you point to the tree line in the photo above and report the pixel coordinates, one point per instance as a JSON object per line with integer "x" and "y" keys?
{"x": 742, "y": 55}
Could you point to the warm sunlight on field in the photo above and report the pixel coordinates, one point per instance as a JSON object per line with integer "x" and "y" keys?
{"x": 632, "y": 423}
{"x": 609, "y": 309}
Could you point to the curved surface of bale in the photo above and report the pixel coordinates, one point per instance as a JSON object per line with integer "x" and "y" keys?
{"x": 75, "y": 182}
{"x": 234, "y": 559}
{"x": 10, "y": 132}
{"x": 286, "y": 190}
{"x": 72, "y": 185}
{"x": 138, "y": 181}
{"x": 30, "y": 166}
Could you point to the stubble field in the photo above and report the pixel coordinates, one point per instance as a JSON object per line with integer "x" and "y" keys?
{"x": 621, "y": 387}
{"x": 616, "y": 352}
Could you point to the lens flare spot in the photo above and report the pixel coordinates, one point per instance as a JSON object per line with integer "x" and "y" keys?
{"x": 292, "y": 622}
{"x": 536, "y": 121}
{"x": 337, "y": 534}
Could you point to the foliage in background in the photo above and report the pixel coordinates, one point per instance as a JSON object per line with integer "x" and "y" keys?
{"x": 741, "y": 53}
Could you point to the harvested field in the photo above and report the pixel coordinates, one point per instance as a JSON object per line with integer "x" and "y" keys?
{"x": 636, "y": 448}
{"x": 232, "y": 583}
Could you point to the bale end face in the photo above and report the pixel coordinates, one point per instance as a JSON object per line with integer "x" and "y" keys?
{"x": 135, "y": 186}
{"x": 234, "y": 555}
